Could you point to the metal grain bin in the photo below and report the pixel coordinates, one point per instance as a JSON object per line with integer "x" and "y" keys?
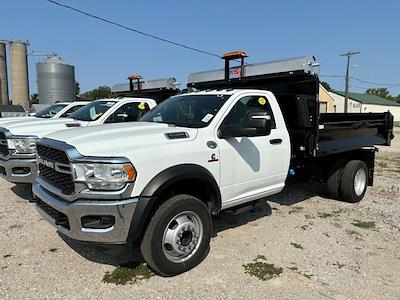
{"x": 56, "y": 81}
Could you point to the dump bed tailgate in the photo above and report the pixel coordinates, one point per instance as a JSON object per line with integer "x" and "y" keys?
{"x": 341, "y": 132}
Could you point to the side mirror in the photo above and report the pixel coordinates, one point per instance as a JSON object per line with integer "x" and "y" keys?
{"x": 121, "y": 117}
{"x": 257, "y": 123}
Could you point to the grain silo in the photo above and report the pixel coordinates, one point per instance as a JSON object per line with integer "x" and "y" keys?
{"x": 19, "y": 74}
{"x": 56, "y": 80}
{"x": 3, "y": 75}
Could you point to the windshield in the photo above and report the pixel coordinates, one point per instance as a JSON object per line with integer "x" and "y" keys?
{"x": 195, "y": 111}
{"x": 50, "y": 111}
{"x": 92, "y": 111}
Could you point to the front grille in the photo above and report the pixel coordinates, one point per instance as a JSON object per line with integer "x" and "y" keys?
{"x": 59, "y": 218}
{"x": 3, "y": 144}
{"x": 52, "y": 154}
{"x": 60, "y": 180}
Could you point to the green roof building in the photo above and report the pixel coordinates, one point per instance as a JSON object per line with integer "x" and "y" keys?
{"x": 365, "y": 103}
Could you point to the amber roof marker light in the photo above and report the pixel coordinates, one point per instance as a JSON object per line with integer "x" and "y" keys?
{"x": 133, "y": 77}
{"x": 232, "y": 56}
{"x": 235, "y": 55}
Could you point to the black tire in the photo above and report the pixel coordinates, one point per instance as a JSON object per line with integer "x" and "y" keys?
{"x": 334, "y": 179}
{"x": 333, "y": 183}
{"x": 152, "y": 247}
{"x": 347, "y": 187}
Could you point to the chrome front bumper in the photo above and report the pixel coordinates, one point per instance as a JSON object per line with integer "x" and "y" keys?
{"x": 121, "y": 210}
{"x": 11, "y": 166}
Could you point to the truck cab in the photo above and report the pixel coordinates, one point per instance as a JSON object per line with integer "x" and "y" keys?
{"x": 18, "y": 139}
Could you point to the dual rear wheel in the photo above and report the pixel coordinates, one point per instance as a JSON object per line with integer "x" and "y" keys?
{"x": 349, "y": 181}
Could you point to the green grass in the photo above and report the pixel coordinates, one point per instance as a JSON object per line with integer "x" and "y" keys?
{"x": 262, "y": 270}
{"x": 295, "y": 209}
{"x": 364, "y": 224}
{"x": 298, "y": 246}
{"x": 325, "y": 215}
{"x": 382, "y": 164}
{"x": 305, "y": 274}
{"x": 128, "y": 274}
{"x": 331, "y": 214}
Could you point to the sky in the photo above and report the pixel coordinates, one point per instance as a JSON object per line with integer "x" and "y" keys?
{"x": 267, "y": 30}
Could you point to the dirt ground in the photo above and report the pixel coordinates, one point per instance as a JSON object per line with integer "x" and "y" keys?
{"x": 317, "y": 248}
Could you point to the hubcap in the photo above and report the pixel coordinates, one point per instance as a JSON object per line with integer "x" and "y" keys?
{"x": 360, "y": 182}
{"x": 182, "y": 236}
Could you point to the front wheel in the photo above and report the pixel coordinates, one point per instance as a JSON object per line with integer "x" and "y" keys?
{"x": 178, "y": 236}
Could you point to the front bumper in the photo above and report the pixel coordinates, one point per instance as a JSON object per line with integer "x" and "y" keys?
{"x": 53, "y": 208}
{"x": 18, "y": 170}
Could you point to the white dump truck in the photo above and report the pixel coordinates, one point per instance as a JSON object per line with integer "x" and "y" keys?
{"x": 235, "y": 140}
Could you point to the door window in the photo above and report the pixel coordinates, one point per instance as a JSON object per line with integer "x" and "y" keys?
{"x": 129, "y": 112}
{"x": 238, "y": 113}
{"x": 71, "y": 110}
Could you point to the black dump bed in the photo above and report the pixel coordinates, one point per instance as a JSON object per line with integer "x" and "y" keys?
{"x": 296, "y": 88}
{"x": 339, "y": 132}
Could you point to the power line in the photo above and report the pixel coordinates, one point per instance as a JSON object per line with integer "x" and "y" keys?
{"x": 132, "y": 29}
{"x": 341, "y": 76}
{"x": 363, "y": 81}
{"x": 375, "y": 83}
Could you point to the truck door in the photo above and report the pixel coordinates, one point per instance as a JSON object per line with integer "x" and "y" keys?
{"x": 253, "y": 167}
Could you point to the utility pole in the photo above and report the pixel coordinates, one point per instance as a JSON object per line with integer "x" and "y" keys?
{"x": 349, "y": 54}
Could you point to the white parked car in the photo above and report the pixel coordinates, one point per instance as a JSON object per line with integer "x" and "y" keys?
{"x": 18, "y": 139}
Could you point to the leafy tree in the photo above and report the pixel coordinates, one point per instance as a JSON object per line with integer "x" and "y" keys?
{"x": 77, "y": 89}
{"x": 326, "y": 86}
{"x": 35, "y": 98}
{"x": 381, "y": 92}
{"x": 384, "y": 93}
{"x": 98, "y": 93}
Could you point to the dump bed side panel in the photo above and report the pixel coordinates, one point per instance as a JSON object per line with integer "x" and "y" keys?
{"x": 341, "y": 132}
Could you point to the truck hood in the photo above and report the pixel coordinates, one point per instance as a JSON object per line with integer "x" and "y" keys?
{"x": 118, "y": 139}
{"x": 17, "y": 119}
{"x": 40, "y": 128}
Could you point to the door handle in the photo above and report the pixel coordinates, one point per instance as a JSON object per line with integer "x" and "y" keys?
{"x": 275, "y": 141}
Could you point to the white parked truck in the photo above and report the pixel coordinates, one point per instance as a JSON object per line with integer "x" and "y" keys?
{"x": 158, "y": 182}
{"x": 18, "y": 139}
{"x": 54, "y": 111}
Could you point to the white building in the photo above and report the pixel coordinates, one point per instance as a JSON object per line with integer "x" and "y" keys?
{"x": 365, "y": 103}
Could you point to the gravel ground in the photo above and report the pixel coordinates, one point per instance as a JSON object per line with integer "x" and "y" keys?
{"x": 312, "y": 238}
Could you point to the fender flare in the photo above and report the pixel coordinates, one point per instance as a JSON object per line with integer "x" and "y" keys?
{"x": 159, "y": 184}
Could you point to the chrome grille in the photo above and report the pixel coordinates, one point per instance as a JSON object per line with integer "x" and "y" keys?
{"x": 48, "y": 159}
{"x": 52, "y": 154}
{"x": 3, "y": 145}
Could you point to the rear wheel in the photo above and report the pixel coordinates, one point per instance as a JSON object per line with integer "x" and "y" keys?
{"x": 333, "y": 182}
{"x": 354, "y": 181}
{"x": 178, "y": 236}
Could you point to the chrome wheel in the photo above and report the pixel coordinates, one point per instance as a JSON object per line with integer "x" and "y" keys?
{"x": 360, "y": 182}
{"x": 182, "y": 236}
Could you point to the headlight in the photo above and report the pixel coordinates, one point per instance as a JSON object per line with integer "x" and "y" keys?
{"x": 22, "y": 145}
{"x": 101, "y": 176}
